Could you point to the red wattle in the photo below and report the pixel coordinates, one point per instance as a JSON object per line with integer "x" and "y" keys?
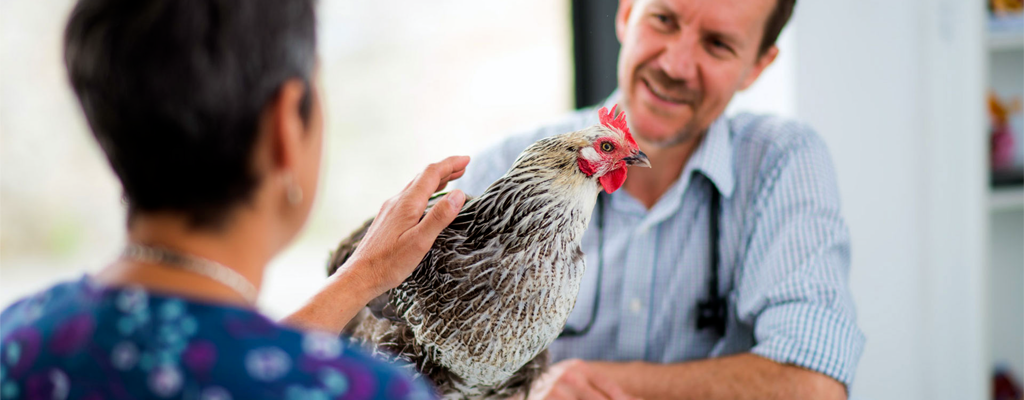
{"x": 586, "y": 167}
{"x": 613, "y": 180}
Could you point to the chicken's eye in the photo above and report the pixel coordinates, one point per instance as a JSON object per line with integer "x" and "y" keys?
{"x": 607, "y": 147}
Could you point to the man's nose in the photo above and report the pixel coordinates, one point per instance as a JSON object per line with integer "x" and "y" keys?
{"x": 679, "y": 60}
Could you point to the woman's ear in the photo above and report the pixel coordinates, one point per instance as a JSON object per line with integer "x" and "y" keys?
{"x": 285, "y": 125}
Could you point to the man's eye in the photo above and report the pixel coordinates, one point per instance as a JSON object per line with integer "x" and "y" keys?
{"x": 663, "y": 21}
{"x": 607, "y": 147}
{"x": 718, "y": 44}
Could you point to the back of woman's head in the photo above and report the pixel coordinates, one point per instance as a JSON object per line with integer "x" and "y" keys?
{"x": 173, "y": 91}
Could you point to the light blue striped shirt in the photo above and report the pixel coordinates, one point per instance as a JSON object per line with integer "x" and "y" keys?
{"x": 785, "y": 253}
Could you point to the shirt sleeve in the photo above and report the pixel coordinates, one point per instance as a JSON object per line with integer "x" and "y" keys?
{"x": 793, "y": 287}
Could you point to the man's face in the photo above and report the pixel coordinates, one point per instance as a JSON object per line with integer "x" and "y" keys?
{"x": 682, "y": 61}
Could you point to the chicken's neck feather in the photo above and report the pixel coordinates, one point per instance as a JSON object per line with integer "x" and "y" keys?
{"x": 543, "y": 193}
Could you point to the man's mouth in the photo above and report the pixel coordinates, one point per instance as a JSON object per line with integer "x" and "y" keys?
{"x": 661, "y": 94}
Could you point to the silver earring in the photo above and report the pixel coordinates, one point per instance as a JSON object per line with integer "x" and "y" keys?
{"x": 293, "y": 192}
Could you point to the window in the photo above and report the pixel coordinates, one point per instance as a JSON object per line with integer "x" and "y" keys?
{"x": 404, "y": 83}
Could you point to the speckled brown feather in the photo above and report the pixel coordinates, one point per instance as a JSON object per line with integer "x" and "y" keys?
{"x": 380, "y": 330}
{"x": 478, "y": 313}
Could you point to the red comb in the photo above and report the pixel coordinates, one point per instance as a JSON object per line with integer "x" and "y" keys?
{"x": 609, "y": 120}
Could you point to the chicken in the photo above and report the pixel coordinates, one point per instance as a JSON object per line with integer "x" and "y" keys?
{"x": 477, "y": 314}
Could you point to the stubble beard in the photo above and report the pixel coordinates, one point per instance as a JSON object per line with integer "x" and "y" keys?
{"x": 683, "y": 136}
{"x": 687, "y": 133}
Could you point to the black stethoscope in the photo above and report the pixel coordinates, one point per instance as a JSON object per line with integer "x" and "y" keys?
{"x": 711, "y": 312}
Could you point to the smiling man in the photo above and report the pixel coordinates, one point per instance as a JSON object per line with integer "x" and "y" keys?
{"x": 721, "y": 272}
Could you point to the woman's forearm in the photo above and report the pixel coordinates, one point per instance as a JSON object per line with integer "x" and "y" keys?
{"x": 392, "y": 247}
{"x": 331, "y": 308}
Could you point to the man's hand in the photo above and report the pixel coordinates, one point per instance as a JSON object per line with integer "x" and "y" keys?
{"x": 399, "y": 238}
{"x": 393, "y": 246}
{"x": 574, "y": 379}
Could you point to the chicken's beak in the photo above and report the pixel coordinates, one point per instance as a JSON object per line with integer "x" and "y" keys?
{"x": 639, "y": 159}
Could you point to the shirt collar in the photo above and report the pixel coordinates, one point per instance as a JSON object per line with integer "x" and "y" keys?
{"x": 713, "y": 157}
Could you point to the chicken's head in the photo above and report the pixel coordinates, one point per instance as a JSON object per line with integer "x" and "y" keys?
{"x": 611, "y": 149}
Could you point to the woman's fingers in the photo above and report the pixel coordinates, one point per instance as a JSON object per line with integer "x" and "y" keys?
{"x": 455, "y": 175}
{"x": 401, "y": 235}
{"x": 436, "y": 176}
{"x": 442, "y": 214}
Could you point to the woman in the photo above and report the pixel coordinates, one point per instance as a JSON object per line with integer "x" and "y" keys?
{"x": 204, "y": 110}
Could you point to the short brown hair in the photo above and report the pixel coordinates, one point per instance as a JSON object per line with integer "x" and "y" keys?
{"x": 780, "y": 16}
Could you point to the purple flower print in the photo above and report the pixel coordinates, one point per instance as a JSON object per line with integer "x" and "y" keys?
{"x": 72, "y": 335}
{"x": 52, "y": 384}
{"x": 251, "y": 327}
{"x": 333, "y": 381}
{"x": 267, "y": 363}
{"x": 124, "y": 356}
{"x": 172, "y": 309}
{"x": 399, "y": 389}
{"x": 321, "y": 345}
{"x": 133, "y": 299}
{"x": 165, "y": 380}
{"x": 360, "y": 382}
{"x": 215, "y": 393}
{"x": 35, "y": 306}
{"x": 20, "y": 350}
{"x": 200, "y": 356}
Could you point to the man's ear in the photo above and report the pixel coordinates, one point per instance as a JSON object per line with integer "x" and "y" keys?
{"x": 622, "y": 18}
{"x": 763, "y": 61}
{"x": 285, "y": 125}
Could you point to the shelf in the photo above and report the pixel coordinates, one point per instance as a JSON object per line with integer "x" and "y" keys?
{"x": 1006, "y": 32}
{"x": 1006, "y": 199}
{"x": 1006, "y": 41}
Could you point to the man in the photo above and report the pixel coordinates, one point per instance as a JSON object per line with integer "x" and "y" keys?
{"x": 788, "y": 325}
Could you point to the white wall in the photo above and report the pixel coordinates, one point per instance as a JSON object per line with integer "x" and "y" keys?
{"x": 857, "y": 86}
{"x": 901, "y": 114}
{"x": 895, "y": 88}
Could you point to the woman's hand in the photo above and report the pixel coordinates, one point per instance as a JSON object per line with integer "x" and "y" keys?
{"x": 392, "y": 248}
{"x": 398, "y": 238}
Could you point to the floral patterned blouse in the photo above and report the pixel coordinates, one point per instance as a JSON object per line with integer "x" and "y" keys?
{"x": 81, "y": 341}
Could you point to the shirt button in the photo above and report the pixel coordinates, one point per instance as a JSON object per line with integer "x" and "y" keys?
{"x": 635, "y": 306}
